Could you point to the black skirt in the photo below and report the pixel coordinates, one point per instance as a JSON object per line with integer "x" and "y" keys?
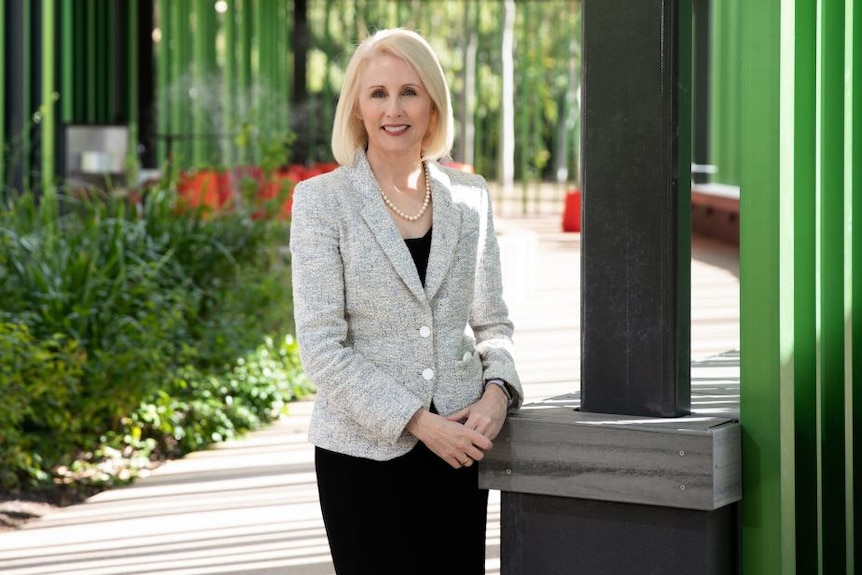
{"x": 414, "y": 514}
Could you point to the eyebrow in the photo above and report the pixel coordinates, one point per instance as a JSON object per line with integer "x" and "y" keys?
{"x": 379, "y": 86}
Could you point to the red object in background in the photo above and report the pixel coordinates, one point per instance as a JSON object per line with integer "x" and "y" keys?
{"x": 198, "y": 189}
{"x": 280, "y": 183}
{"x": 572, "y": 211}
{"x": 217, "y": 190}
{"x": 459, "y": 166}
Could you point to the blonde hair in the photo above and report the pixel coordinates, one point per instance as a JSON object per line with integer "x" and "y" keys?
{"x": 348, "y": 131}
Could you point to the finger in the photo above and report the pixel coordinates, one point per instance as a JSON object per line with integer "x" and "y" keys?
{"x": 460, "y": 416}
{"x": 460, "y": 461}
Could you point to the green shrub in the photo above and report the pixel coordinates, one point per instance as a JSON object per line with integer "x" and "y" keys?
{"x": 162, "y": 315}
{"x": 197, "y": 410}
{"x": 38, "y": 380}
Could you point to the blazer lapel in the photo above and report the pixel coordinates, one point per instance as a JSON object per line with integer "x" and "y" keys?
{"x": 447, "y": 230}
{"x": 380, "y": 222}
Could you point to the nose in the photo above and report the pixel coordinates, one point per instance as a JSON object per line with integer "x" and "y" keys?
{"x": 393, "y": 107}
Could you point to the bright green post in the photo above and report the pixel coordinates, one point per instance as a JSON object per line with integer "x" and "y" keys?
{"x": 176, "y": 41}
{"x": 725, "y": 88}
{"x": 132, "y": 79}
{"x": 2, "y": 91}
{"x": 853, "y": 279}
{"x": 830, "y": 284}
{"x": 67, "y": 55}
{"x": 761, "y": 301}
{"x": 48, "y": 102}
{"x": 91, "y": 62}
{"x": 163, "y": 77}
{"x": 244, "y": 75}
{"x": 798, "y": 237}
{"x": 199, "y": 81}
{"x": 800, "y": 273}
{"x": 229, "y": 76}
{"x": 26, "y": 71}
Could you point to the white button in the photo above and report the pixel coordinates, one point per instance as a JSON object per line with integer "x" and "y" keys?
{"x": 424, "y": 331}
{"x": 467, "y": 355}
{"x": 428, "y": 374}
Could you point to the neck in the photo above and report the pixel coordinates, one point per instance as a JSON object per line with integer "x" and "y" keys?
{"x": 398, "y": 173}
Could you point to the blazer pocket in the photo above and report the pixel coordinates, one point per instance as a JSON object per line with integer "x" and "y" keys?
{"x": 469, "y": 369}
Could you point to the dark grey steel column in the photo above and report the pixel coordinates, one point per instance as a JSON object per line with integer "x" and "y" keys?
{"x": 635, "y": 308}
{"x": 582, "y": 493}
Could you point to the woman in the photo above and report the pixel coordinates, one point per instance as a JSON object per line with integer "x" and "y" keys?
{"x": 400, "y": 322}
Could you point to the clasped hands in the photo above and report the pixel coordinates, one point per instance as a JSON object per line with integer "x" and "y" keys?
{"x": 465, "y": 436}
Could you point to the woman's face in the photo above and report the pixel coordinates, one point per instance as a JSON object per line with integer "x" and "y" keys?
{"x": 394, "y": 106}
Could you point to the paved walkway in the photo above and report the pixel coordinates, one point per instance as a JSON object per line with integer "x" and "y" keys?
{"x": 249, "y": 507}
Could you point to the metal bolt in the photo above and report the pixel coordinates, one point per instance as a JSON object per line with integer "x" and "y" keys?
{"x": 682, "y": 487}
{"x": 682, "y": 453}
{"x": 508, "y": 471}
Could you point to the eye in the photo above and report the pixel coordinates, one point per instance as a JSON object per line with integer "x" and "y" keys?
{"x": 409, "y": 92}
{"x": 378, "y": 94}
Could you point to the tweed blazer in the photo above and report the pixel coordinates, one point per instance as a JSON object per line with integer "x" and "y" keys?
{"x": 378, "y": 345}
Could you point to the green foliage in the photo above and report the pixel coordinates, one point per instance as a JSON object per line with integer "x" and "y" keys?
{"x": 112, "y": 315}
{"x": 38, "y": 380}
{"x": 196, "y": 410}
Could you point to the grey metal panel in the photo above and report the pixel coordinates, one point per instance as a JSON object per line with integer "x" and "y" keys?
{"x": 688, "y": 462}
{"x": 544, "y": 535}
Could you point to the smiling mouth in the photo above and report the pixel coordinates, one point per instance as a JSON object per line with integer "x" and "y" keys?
{"x": 395, "y": 129}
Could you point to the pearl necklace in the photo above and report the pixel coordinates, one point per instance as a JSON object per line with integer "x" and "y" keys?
{"x": 395, "y": 209}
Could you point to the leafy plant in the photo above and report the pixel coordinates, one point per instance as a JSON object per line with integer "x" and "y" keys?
{"x": 123, "y": 328}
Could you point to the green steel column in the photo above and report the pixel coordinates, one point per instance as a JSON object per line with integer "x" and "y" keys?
{"x": 179, "y": 22}
{"x": 26, "y": 99}
{"x": 852, "y": 280}
{"x": 2, "y": 91}
{"x": 163, "y": 79}
{"x": 264, "y": 65}
{"x": 48, "y": 106}
{"x": 228, "y": 87}
{"x": 132, "y": 69}
{"x": 280, "y": 30}
{"x": 830, "y": 284}
{"x": 198, "y": 86}
{"x": 91, "y": 64}
{"x": 853, "y": 277}
{"x": 725, "y": 95}
{"x": 798, "y": 244}
{"x": 762, "y": 302}
{"x": 854, "y": 158}
{"x": 80, "y": 81}
{"x": 67, "y": 90}
{"x": 214, "y": 103}
{"x": 244, "y": 76}
{"x": 108, "y": 53}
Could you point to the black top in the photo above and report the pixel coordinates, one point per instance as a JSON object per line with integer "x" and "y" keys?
{"x": 420, "y": 248}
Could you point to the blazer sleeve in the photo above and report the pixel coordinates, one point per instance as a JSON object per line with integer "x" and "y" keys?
{"x": 489, "y": 319}
{"x": 351, "y": 384}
